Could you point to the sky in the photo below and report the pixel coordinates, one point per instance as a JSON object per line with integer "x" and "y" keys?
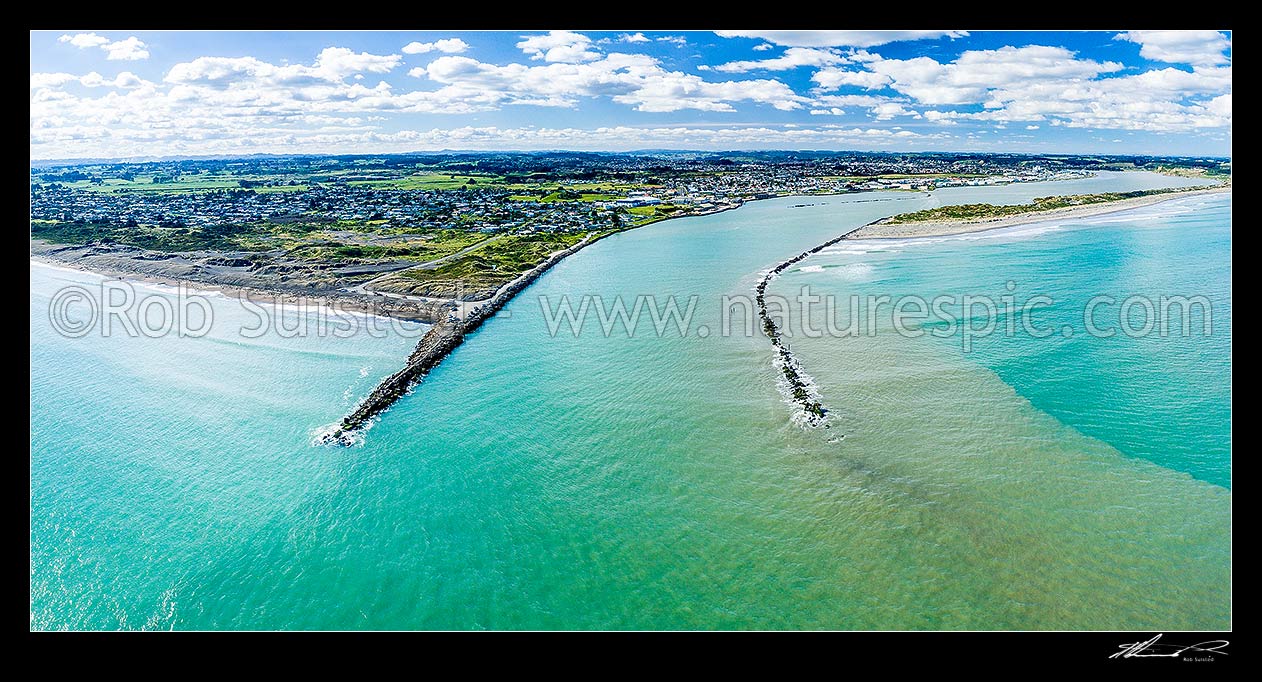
{"x": 120, "y": 94}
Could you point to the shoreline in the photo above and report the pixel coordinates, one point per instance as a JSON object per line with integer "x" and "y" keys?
{"x": 360, "y": 304}
{"x": 879, "y": 229}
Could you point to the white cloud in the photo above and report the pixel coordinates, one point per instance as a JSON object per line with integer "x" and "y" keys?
{"x": 852, "y": 100}
{"x": 128, "y": 49}
{"x": 332, "y": 66}
{"x": 880, "y": 108}
{"x": 51, "y": 80}
{"x": 1040, "y": 83}
{"x": 447, "y": 45}
{"x": 764, "y": 46}
{"x": 887, "y": 110}
{"x": 792, "y": 58}
{"x": 840, "y": 38}
{"x": 125, "y": 80}
{"x": 976, "y": 72}
{"x": 84, "y": 40}
{"x": 570, "y": 54}
{"x": 1127, "y": 103}
{"x": 341, "y": 62}
{"x": 833, "y": 78}
{"x": 1220, "y": 106}
{"x": 633, "y": 79}
{"x": 1198, "y": 48}
{"x": 1031, "y": 127}
{"x": 946, "y": 118}
{"x": 559, "y": 46}
{"x": 1164, "y": 100}
{"x": 679, "y": 41}
{"x": 633, "y": 38}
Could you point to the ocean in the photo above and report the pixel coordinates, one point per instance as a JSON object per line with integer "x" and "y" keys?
{"x": 542, "y": 479}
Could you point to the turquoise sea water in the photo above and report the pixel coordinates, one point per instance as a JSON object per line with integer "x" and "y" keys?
{"x": 593, "y": 481}
{"x": 1165, "y": 398}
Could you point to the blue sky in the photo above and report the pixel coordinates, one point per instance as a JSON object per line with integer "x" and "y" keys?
{"x": 120, "y": 94}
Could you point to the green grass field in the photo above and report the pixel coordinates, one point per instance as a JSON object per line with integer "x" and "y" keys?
{"x": 640, "y": 215}
{"x": 326, "y": 246}
{"x": 169, "y": 239}
{"x": 431, "y": 181}
{"x": 306, "y": 241}
{"x": 486, "y": 268}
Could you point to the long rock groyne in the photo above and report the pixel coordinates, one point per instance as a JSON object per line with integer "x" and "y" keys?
{"x": 800, "y": 388}
{"x": 437, "y": 343}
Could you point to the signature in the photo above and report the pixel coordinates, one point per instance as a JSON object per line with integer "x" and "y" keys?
{"x": 1153, "y": 649}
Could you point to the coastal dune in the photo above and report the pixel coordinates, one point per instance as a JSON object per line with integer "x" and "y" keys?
{"x": 884, "y": 229}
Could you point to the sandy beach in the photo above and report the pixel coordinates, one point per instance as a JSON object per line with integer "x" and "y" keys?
{"x": 884, "y": 230}
{"x": 360, "y": 303}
